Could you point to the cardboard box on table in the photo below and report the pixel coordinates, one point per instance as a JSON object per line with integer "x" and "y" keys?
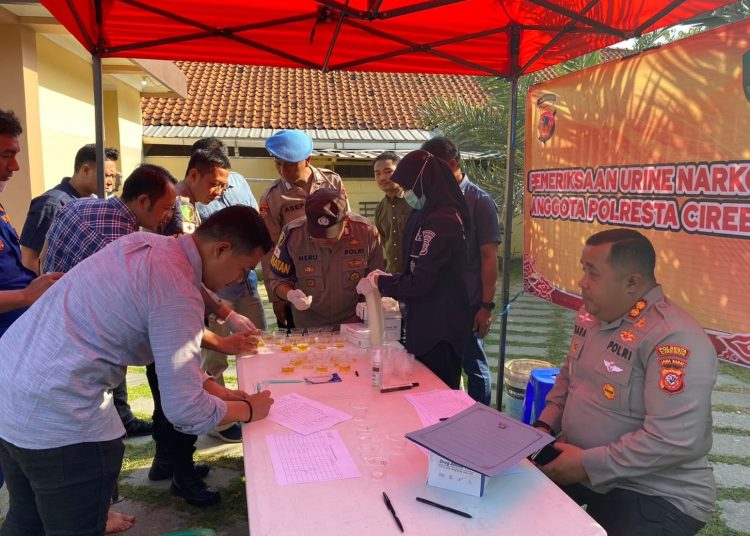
{"x": 474, "y": 445}
{"x": 391, "y": 321}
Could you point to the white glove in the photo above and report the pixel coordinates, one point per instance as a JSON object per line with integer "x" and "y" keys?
{"x": 299, "y": 299}
{"x": 372, "y": 277}
{"x": 365, "y": 286}
{"x": 238, "y": 323}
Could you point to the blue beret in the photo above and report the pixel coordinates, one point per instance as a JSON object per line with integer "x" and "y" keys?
{"x": 290, "y": 145}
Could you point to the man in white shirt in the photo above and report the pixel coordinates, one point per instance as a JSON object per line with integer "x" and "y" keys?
{"x": 61, "y": 358}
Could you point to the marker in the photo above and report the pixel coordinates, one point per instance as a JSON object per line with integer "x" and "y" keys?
{"x": 400, "y": 387}
{"x": 388, "y": 504}
{"x": 356, "y": 373}
{"x": 443, "y": 507}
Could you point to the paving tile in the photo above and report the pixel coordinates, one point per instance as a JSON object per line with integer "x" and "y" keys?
{"x": 731, "y": 475}
{"x": 726, "y": 379}
{"x": 739, "y": 421}
{"x": 730, "y": 445}
{"x": 732, "y": 399}
{"x": 736, "y": 515}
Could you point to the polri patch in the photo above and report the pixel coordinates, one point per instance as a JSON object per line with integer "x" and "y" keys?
{"x": 671, "y": 380}
{"x": 354, "y": 276}
{"x": 310, "y": 283}
{"x": 309, "y": 269}
{"x": 673, "y": 350}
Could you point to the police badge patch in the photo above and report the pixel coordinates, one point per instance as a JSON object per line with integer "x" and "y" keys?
{"x": 354, "y": 276}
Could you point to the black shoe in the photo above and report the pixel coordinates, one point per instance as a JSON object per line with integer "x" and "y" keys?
{"x": 138, "y": 427}
{"x": 194, "y": 490}
{"x": 162, "y": 470}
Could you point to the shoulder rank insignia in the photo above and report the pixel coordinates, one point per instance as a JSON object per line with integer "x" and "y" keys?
{"x": 627, "y": 336}
{"x": 639, "y": 306}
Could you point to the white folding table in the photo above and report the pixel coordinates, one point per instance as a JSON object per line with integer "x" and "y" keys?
{"x": 522, "y": 503}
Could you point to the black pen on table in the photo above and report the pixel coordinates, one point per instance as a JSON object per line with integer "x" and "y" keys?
{"x": 443, "y": 507}
{"x": 399, "y": 387}
{"x": 388, "y": 504}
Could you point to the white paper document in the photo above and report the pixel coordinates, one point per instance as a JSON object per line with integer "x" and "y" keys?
{"x": 482, "y": 439}
{"x": 431, "y": 406}
{"x": 316, "y": 457}
{"x": 303, "y": 415}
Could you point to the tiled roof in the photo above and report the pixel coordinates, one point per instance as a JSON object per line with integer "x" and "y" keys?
{"x": 242, "y": 96}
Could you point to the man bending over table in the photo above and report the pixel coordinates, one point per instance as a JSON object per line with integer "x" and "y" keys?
{"x": 64, "y": 355}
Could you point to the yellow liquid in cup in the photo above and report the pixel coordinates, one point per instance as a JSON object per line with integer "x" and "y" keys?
{"x": 287, "y": 368}
{"x": 345, "y": 367}
{"x": 321, "y": 367}
{"x": 286, "y": 347}
{"x": 338, "y": 344}
{"x": 302, "y": 346}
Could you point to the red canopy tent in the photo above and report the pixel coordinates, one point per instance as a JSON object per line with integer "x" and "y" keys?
{"x": 506, "y": 38}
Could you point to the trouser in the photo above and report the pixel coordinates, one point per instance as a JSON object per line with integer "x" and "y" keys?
{"x": 477, "y": 370}
{"x": 120, "y": 399}
{"x": 63, "y": 491}
{"x": 444, "y": 362}
{"x": 249, "y": 305}
{"x": 623, "y": 512}
{"x": 171, "y": 445}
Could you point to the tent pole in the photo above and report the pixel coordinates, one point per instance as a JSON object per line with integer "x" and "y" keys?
{"x": 508, "y": 224}
{"x": 99, "y": 123}
{"x": 507, "y": 232}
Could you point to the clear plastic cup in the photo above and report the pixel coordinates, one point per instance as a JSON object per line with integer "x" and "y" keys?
{"x": 378, "y": 466}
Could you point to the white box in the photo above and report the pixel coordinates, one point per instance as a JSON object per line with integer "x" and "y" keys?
{"x": 445, "y": 474}
{"x": 361, "y": 311}
{"x": 359, "y": 334}
{"x": 356, "y": 334}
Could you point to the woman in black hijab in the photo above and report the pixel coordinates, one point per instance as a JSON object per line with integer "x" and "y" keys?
{"x": 438, "y": 318}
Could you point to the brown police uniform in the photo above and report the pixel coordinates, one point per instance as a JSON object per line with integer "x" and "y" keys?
{"x": 330, "y": 276}
{"x": 635, "y": 395}
{"x": 284, "y": 202}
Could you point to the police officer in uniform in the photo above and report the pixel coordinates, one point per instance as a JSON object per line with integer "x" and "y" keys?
{"x": 284, "y": 201}
{"x": 633, "y": 399}
{"x": 321, "y": 257}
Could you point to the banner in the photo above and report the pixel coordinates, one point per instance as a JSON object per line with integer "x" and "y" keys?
{"x": 659, "y": 142}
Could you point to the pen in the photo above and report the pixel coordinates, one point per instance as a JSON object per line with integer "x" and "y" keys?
{"x": 442, "y": 507}
{"x": 400, "y": 387}
{"x": 260, "y": 385}
{"x": 387, "y": 502}
{"x": 356, "y": 373}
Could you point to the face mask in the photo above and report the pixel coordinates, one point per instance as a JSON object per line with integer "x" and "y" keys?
{"x": 417, "y": 203}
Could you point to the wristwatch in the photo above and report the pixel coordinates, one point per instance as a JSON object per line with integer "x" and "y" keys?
{"x": 488, "y": 305}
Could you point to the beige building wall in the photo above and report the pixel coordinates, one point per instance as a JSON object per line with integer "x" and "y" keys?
{"x": 66, "y": 105}
{"x": 18, "y": 64}
{"x": 128, "y": 134}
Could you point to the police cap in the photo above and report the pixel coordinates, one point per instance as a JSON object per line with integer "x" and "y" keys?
{"x": 290, "y": 145}
{"x": 325, "y": 210}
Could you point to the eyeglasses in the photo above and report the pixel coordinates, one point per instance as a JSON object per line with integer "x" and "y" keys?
{"x": 221, "y": 186}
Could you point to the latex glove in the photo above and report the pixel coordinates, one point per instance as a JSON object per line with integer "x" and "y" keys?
{"x": 372, "y": 277}
{"x": 365, "y": 286}
{"x": 238, "y": 323}
{"x": 299, "y": 299}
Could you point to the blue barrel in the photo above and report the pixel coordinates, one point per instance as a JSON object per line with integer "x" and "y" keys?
{"x": 540, "y": 383}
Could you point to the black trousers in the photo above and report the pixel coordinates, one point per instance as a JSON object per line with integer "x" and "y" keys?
{"x": 120, "y": 399}
{"x": 171, "y": 445}
{"x": 60, "y": 491}
{"x": 628, "y": 513}
{"x": 444, "y": 363}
